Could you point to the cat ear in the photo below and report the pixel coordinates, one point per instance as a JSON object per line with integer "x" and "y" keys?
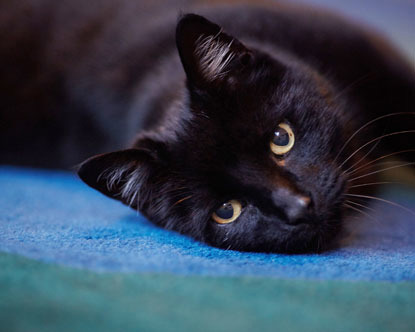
{"x": 207, "y": 53}
{"x": 119, "y": 175}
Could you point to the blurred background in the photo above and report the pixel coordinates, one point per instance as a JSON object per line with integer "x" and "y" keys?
{"x": 394, "y": 18}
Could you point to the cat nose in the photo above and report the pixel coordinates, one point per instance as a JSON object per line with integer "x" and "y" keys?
{"x": 294, "y": 205}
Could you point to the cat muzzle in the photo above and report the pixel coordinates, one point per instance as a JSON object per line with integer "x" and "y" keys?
{"x": 295, "y": 206}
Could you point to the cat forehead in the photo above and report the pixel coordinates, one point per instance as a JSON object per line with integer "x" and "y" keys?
{"x": 242, "y": 138}
{"x": 244, "y": 120}
{"x": 261, "y": 110}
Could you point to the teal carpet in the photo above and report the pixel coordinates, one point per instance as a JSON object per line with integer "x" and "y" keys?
{"x": 45, "y": 297}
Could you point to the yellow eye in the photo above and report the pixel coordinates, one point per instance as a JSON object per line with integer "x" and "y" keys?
{"x": 228, "y": 212}
{"x": 283, "y": 139}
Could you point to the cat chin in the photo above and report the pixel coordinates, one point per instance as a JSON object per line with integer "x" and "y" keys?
{"x": 311, "y": 237}
{"x": 314, "y": 244}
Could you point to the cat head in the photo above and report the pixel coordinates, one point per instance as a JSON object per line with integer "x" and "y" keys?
{"x": 249, "y": 160}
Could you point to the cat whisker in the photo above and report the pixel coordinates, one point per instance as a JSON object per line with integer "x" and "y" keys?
{"x": 384, "y": 201}
{"x": 203, "y": 114}
{"x": 355, "y": 164}
{"x": 177, "y": 191}
{"x": 368, "y": 124}
{"x": 378, "y": 165}
{"x": 360, "y": 211}
{"x": 375, "y": 183}
{"x": 377, "y": 139}
{"x": 361, "y": 205}
{"x": 382, "y": 157}
{"x": 182, "y": 200}
{"x": 353, "y": 84}
{"x": 381, "y": 170}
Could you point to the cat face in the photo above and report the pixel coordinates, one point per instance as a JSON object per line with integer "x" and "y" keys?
{"x": 247, "y": 161}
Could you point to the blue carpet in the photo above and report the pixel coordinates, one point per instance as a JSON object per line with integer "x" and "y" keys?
{"x": 53, "y": 217}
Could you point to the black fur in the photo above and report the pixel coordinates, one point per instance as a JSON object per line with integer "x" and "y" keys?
{"x": 204, "y": 140}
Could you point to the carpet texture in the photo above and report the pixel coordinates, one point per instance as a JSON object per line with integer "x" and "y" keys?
{"x": 43, "y": 297}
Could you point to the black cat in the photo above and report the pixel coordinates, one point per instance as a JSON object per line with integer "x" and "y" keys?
{"x": 256, "y": 145}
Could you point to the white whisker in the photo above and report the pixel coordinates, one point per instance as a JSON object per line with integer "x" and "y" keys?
{"x": 368, "y": 124}
{"x": 382, "y": 157}
{"x": 384, "y": 201}
{"x": 360, "y": 211}
{"x": 376, "y": 139}
{"x": 361, "y": 205}
{"x": 381, "y": 170}
{"x": 376, "y": 166}
{"x": 371, "y": 149}
{"x": 375, "y": 183}
{"x": 353, "y": 84}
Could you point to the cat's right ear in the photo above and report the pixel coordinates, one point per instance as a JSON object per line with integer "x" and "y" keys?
{"x": 209, "y": 56}
{"x": 120, "y": 175}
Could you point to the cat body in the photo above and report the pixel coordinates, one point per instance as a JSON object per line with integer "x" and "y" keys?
{"x": 198, "y": 102}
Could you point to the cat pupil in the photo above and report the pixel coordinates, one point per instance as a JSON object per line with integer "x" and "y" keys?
{"x": 225, "y": 211}
{"x": 281, "y": 137}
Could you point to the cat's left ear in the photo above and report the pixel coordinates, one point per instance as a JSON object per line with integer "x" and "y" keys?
{"x": 207, "y": 53}
{"x": 122, "y": 175}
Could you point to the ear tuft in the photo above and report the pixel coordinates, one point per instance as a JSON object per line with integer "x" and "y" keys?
{"x": 206, "y": 52}
{"x": 119, "y": 175}
{"x": 214, "y": 56}
{"x": 124, "y": 181}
